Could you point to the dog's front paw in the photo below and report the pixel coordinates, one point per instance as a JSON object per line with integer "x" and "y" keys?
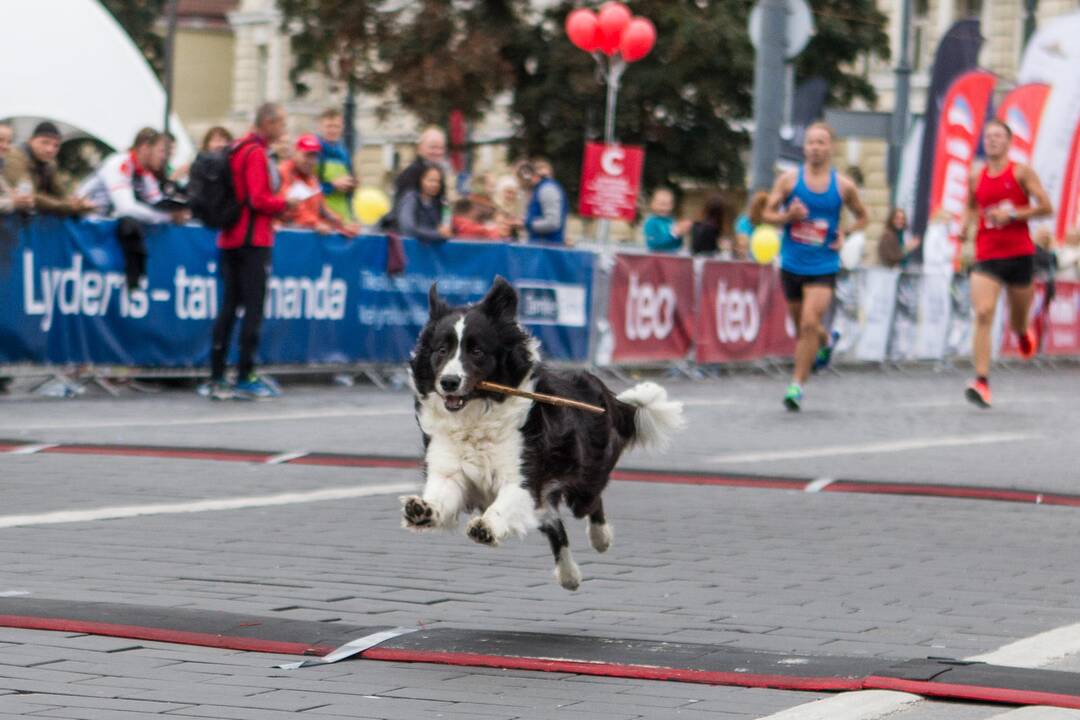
{"x": 479, "y": 531}
{"x": 416, "y": 514}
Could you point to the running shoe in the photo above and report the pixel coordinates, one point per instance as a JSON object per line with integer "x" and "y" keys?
{"x": 793, "y": 397}
{"x": 1029, "y": 344}
{"x": 256, "y": 388}
{"x": 217, "y": 390}
{"x": 978, "y": 393}
{"x": 824, "y": 353}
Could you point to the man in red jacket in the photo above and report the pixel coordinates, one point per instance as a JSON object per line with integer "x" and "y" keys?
{"x": 245, "y": 255}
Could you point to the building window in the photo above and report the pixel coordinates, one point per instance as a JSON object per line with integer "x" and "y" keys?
{"x": 969, "y": 8}
{"x": 920, "y": 29}
{"x": 262, "y": 74}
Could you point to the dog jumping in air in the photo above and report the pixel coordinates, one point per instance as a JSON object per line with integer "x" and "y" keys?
{"x": 511, "y": 459}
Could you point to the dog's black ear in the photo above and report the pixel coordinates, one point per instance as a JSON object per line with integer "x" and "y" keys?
{"x": 501, "y": 300}
{"x": 436, "y": 307}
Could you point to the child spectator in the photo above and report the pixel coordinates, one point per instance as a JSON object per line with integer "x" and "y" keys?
{"x": 335, "y": 167}
{"x": 216, "y": 138}
{"x": 705, "y": 233}
{"x": 300, "y": 182}
{"x": 662, "y": 232}
{"x": 747, "y": 221}
{"x": 474, "y": 218}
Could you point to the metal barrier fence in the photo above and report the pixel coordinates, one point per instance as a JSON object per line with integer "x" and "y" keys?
{"x": 331, "y": 305}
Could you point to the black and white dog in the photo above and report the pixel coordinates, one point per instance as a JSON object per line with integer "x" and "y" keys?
{"x": 509, "y": 458}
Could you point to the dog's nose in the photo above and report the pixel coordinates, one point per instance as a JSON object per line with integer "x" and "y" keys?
{"x": 450, "y": 383}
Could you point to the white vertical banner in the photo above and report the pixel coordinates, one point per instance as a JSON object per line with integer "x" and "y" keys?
{"x": 1052, "y": 57}
{"x": 935, "y": 316}
{"x": 878, "y": 300}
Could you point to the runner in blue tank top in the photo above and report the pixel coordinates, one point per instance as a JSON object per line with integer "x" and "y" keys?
{"x": 808, "y": 202}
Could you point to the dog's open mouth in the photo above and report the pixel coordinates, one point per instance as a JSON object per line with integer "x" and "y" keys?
{"x": 454, "y": 403}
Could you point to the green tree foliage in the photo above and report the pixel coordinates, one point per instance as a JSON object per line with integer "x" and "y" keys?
{"x": 685, "y": 102}
{"x": 682, "y": 102}
{"x": 138, "y": 18}
{"x": 441, "y": 55}
{"x": 431, "y": 56}
{"x": 337, "y": 37}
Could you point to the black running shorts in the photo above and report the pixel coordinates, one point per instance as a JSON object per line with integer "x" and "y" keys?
{"x": 793, "y": 284}
{"x": 1017, "y": 270}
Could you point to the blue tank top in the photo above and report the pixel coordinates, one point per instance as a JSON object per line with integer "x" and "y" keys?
{"x": 805, "y": 247}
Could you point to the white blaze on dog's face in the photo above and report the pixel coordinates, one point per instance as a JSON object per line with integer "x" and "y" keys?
{"x": 465, "y": 345}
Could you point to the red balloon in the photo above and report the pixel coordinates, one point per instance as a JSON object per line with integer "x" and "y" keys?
{"x": 637, "y": 39}
{"x": 581, "y": 28}
{"x": 613, "y": 19}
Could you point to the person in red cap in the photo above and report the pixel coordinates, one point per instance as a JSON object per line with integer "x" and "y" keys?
{"x": 300, "y": 182}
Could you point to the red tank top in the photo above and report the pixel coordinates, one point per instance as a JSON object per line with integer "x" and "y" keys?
{"x": 1003, "y": 241}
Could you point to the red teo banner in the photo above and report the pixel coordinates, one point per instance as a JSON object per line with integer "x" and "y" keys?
{"x": 1061, "y": 333}
{"x": 1068, "y": 208}
{"x": 742, "y": 314}
{"x": 610, "y": 179}
{"x": 651, "y": 307}
{"x": 1022, "y": 111}
{"x": 961, "y": 122}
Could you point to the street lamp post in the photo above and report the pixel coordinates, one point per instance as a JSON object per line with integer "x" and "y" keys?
{"x": 899, "y": 126}
{"x": 768, "y": 103}
{"x": 170, "y": 55}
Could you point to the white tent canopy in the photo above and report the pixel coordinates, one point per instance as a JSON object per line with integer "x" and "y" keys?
{"x": 69, "y": 61}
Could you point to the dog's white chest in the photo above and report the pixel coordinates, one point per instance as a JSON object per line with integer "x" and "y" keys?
{"x": 481, "y": 444}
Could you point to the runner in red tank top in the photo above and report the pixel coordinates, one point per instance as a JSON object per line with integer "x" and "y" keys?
{"x": 1003, "y": 196}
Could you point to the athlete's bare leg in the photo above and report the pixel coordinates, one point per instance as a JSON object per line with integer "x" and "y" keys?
{"x": 985, "y": 290}
{"x": 811, "y": 331}
{"x": 1020, "y": 299}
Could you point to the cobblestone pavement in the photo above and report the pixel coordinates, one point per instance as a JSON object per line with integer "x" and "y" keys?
{"x": 760, "y": 569}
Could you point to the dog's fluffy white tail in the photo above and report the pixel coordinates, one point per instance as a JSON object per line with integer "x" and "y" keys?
{"x": 656, "y": 418}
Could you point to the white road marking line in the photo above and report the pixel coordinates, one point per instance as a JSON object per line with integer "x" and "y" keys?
{"x": 868, "y": 448}
{"x": 30, "y": 449}
{"x": 286, "y": 457}
{"x": 958, "y": 401}
{"x": 1038, "y": 712}
{"x": 233, "y": 503}
{"x": 1033, "y": 652}
{"x": 1037, "y": 650}
{"x": 699, "y": 402}
{"x": 862, "y": 704}
{"x": 246, "y": 418}
{"x": 819, "y": 485}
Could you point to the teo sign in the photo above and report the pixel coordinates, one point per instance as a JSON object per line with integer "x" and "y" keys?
{"x": 610, "y": 180}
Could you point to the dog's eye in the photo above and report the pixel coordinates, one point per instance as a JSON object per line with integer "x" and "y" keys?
{"x": 477, "y": 352}
{"x": 441, "y": 351}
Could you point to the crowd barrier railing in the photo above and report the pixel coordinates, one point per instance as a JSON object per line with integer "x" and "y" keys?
{"x": 664, "y": 308}
{"x": 332, "y": 304}
{"x": 329, "y": 301}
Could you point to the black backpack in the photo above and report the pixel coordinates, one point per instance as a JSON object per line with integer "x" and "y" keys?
{"x": 211, "y": 191}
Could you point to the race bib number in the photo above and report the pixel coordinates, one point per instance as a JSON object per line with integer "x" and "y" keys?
{"x": 810, "y": 232}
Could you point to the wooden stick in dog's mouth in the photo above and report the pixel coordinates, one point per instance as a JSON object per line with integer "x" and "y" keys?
{"x": 540, "y": 397}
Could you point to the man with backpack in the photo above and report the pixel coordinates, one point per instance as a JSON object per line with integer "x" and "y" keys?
{"x": 236, "y": 190}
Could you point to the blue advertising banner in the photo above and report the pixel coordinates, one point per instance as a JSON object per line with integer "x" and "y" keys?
{"x": 329, "y": 299}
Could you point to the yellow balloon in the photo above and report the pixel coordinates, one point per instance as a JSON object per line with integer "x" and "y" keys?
{"x": 370, "y": 204}
{"x": 764, "y": 244}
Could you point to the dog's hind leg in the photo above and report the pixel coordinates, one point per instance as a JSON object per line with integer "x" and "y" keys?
{"x": 566, "y": 570}
{"x": 600, "y": 532}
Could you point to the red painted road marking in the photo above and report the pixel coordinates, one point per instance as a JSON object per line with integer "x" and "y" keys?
{"x": 960, "y": 492}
